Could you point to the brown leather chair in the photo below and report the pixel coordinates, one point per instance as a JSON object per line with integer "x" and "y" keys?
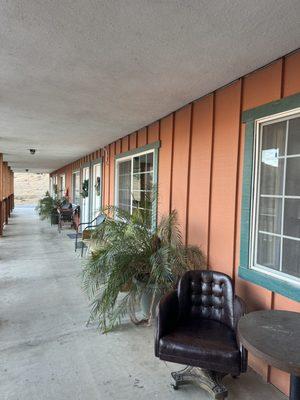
{"x": 196, "y": 326}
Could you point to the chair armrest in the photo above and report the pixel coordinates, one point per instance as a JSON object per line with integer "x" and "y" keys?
{"x": 167, "y": 317}
{"x": 85, "y": 223}
{"x": 90, "y": 227}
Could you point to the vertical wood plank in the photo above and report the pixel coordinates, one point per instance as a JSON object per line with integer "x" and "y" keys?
{"x": 112, "y": 153}
{"x": 153, "y": 132}
{"x": 223, "y": 185}
{"x": 292, "y": 74}
{"x": 118, "y": 146}
{"x": 165, "y": 165}
{"x": 125, "y": 143}
{"x": 142, "y": 137}
{"x": 262, "y": 86}
{"x": 201, "y": 150}
{"x": 180, "y": 164}
{"x": 133, "y": 141}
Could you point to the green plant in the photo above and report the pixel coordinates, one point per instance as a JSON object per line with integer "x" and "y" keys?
{"x": 55, "y": 189}
{"x": 128, "y": 253}
{"x": 47, "y": 206}
{"x": 85, "y": 188}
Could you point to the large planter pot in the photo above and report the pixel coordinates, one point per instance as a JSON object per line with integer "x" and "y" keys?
{"x": 147, "y": 298}
{"x": 54, "y": 218}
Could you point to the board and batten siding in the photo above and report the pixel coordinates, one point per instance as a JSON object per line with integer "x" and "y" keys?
{"x": 200, "y": 175}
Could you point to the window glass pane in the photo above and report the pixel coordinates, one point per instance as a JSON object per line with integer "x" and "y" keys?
{"x": 270, "y": 214}
{"x": 294, "y": 136}
{"x": 137, "y": 182}
{"x": 136, "y": 164}
{"x": 142, "y": 199}
{"x": 292, "y": 184}
{"x": 271, "y": 177}
{"x": 149, "y": 161}
{"x": 146, "y": 214}
{"x": 124, "y": 207}
{"x": 268, "y": 251}
{"x": 143, "y": 163}
{"x": 149, "y": 181}
{"x": 124, "y": 181}
{"x": 143, "y": 181}
{"x": 273, "y": 145}
{"x": 125, "y": 167}
{"x": 273, "y": 139}
{"x": 292, "y": 217}
{"x": 124, "y": 196}
{"x": 291, "y": 257}
{"x": 148, "y": 200}
{"x": 139, "y": 199}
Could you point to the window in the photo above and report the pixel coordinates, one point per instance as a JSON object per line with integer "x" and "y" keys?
{"x": 76, "y": 187}
{"x": 62, "y": 186}
{"x": 270, "y": 213}
{"x": 53, "y": 186}
{"x": 276, "y": 203}
{"x": 136, "y": 177}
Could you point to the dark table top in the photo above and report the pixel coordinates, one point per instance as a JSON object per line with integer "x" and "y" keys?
{"x": 273, "y": 336}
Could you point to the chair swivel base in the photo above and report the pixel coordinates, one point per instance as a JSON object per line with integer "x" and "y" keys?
{"x": 208, "y": 380}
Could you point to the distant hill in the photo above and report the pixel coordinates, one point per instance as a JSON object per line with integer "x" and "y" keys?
{"x": 29, "y": 187}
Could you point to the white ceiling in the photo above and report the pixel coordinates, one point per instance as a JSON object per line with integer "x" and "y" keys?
{"x": 76, "y": 75}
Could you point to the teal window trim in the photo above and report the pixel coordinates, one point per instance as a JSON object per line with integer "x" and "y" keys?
{"x": 148, "y": 147}
{"x": 275, "y": 284}
{"x": 275, "y": 107}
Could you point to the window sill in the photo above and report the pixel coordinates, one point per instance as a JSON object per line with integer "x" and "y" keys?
{"x": 276, "y": 285}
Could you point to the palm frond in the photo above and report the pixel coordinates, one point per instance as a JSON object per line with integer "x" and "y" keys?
{"x": 129, "y": 253}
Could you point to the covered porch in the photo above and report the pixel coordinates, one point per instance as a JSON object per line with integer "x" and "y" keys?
{"x": 191, "y": 107}
{"x": 48, "y": 353}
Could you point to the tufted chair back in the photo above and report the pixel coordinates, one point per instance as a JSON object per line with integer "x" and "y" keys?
{"x": 208, "y": 295}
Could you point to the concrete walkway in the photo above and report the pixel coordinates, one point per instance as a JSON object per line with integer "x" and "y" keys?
{"x": 47, "y": 353}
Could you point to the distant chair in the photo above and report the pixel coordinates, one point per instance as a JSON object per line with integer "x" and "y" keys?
{"x": 66, "y": 215}
{"x": 87, "y": 231}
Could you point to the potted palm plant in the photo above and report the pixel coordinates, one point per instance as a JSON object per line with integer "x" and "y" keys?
{"x": 47, "y": 207}
{"x": 147, "y": 262}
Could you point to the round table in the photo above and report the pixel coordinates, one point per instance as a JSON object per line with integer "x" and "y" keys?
{"x": 274, "y": 336}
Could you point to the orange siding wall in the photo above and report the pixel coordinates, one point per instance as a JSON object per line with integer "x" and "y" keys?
{"x": 200, "y": 174}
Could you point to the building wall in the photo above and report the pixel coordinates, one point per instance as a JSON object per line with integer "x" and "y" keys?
{"x": 200, "y": 175}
